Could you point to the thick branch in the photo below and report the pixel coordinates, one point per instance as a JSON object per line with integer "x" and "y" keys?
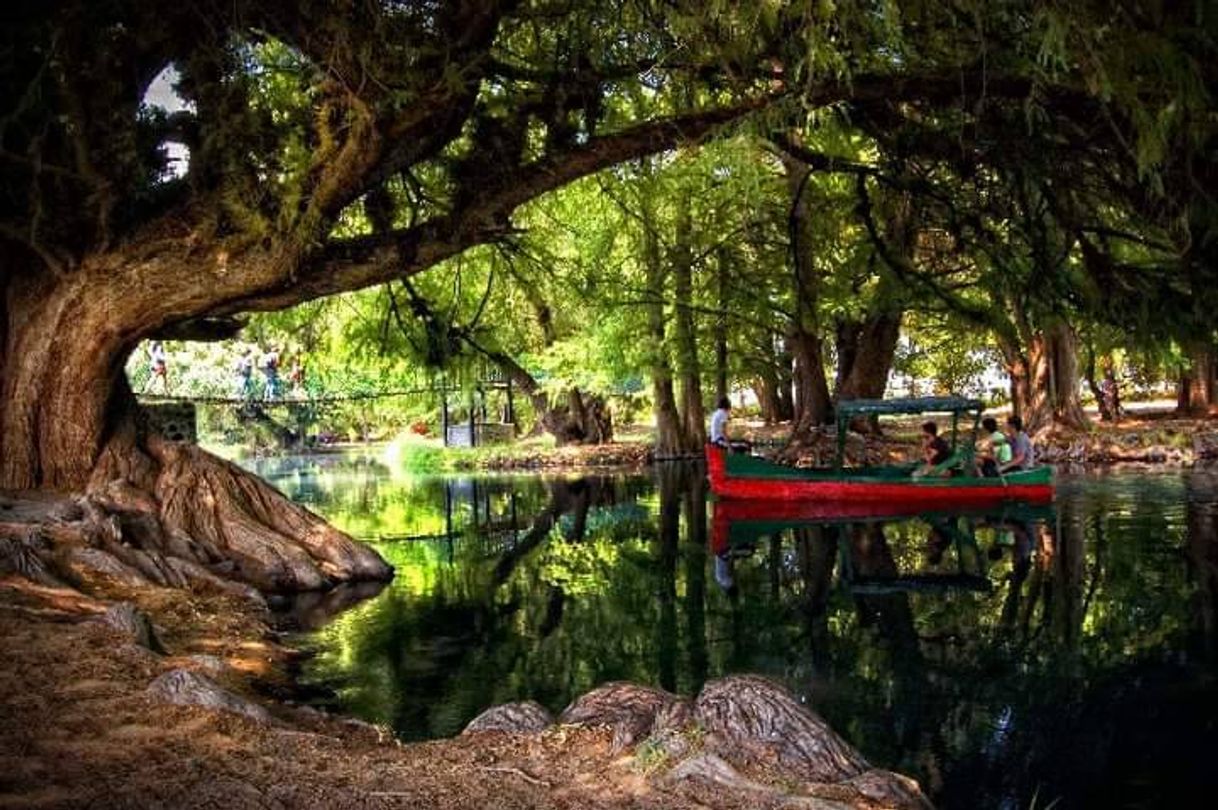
{"x": 357, "y": 263}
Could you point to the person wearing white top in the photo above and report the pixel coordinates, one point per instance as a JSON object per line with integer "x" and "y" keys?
{"x": 718, "y": 423}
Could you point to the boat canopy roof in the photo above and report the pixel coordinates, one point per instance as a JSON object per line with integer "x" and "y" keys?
{"x": 865, "y": 407}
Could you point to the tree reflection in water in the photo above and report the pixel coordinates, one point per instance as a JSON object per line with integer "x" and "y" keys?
{"x": 997, "y": 657}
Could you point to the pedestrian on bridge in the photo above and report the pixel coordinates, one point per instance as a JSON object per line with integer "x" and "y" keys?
{"x": 158, "y": 366}
{"x": 245, "y": 374}
{"x": 270, "y": 369}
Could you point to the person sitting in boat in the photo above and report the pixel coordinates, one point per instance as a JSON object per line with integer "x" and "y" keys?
{"x": 993, "y": 451}
{"x": 934, "y": 451}
{"x": 718, "y": 422}
{"x": 718, "y": 429}
{"x": 1023, "y": 455}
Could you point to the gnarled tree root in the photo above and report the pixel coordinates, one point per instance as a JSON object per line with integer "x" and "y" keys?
{"x": 742, "y": 733}
{"x": 169, "y": 514}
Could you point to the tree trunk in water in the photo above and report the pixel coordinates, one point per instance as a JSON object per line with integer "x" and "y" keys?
{"x": 1055, "y": 379}
{"x": 1045, "y": 379}
{"x": 1201, "y": 379}
{"x": 765, "y": 387}
{"x": 668, "y": 541}
{"x": 69, "y": 422}
{"x": 693, "y": 554}
{"x": 693, "y": 415}
{"x": 812, "y": 404}
{"x": 668, "y": 421}
{"x": 785, "y": 382}
{"x": 1202, "y": 520}
{"x": 721, "y": 267}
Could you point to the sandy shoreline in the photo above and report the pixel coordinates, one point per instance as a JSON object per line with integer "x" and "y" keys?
{"x": 88, "y": 722}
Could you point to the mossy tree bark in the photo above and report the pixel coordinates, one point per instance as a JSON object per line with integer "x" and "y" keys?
{"x": 97, "y": 256}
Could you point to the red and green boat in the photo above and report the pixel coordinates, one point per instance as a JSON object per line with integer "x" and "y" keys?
{"x": 744, "y": 476}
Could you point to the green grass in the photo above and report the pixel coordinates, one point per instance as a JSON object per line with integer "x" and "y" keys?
{"x": 418, "y": 454}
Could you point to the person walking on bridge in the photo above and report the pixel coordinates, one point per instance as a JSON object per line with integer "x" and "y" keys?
{"x": 270, "y": 369}
{"x": 158, "y": 366}
{"x": 245, "y": 374}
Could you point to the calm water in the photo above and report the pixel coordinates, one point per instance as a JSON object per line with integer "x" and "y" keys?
{"x": 1005, "y": 660}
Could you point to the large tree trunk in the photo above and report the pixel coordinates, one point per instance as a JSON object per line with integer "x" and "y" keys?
{"x": 765, "y": 388}
{"x": 582, "y": 419}
{"x": 1055, "y": 379}
{"x": 672, "y": 432}
{"x": 1045, "y": 378}
{"x": 813, "y": 406}
{"x": 1101, "y": 402}
{"x": 68, "y": 422}
{"x": 1198, "y": 385}
{"x": 693, "y": 415}
{"x": 664, "y": 402}
{"x": 812, "y": 403}
{"x": 721, "y": 275}
{"x": 865, "y": 355}
{"x": 866, "y": 349}
{"x": 876, "y": 344}
{"x": 61, "y": 364}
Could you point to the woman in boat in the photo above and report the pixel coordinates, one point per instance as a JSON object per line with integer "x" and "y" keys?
{"x": 934, "y": 451}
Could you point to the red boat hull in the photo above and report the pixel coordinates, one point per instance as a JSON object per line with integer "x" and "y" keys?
{"x": 919, "y": 492}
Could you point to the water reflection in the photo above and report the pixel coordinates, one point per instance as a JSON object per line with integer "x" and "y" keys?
{"x": 1058, "y": 653}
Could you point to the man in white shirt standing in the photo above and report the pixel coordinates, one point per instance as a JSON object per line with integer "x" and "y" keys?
{"x": 718, "y": 423}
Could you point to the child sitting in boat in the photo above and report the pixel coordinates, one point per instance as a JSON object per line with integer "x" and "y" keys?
{"x": 993, "y": 451}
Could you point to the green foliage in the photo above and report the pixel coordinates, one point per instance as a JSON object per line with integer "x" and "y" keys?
{"x": 407, "y": 452}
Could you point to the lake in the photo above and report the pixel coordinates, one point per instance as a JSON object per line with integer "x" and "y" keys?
{"x": 1015, "y": 659}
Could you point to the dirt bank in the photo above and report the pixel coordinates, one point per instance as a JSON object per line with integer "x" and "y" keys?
{"x": 99, "y": 709}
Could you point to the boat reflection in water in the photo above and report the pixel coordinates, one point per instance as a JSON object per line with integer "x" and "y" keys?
{"x": 952, "y": 559}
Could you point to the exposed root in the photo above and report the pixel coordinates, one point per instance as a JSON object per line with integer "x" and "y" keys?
{"x": 523, "y": 717}
{"x": 743, "y": 734}
{"x": 750, "y": 712}
{"x": 169, "y": 514}
{"x": 276, "y": 544}
{"x": 201, "y": 524}
{"x": 629, "y": 709}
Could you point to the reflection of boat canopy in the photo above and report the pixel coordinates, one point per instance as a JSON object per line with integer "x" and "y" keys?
{"x": 738, "y": 526}
{"x": 738, "y": 522}
{"x": 740, "y": 476}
